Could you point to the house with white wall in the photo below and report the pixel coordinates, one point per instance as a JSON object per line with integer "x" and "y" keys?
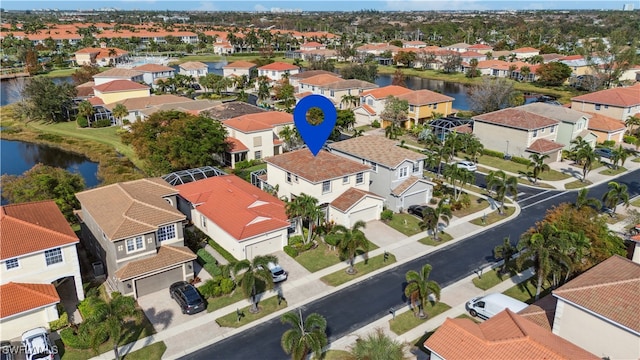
{"x": 571, "y": 123}
{"x": 276, "y": 71}
{"x": 372, "y": 103}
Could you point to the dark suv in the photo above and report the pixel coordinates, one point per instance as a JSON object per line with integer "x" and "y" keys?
{"x": 604, "y": 152}
{"x": 188, "y": 297}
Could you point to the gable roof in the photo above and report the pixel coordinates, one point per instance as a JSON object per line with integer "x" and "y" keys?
{"x": 193, "y": 65}
{"x": 383, "y": 92}
{"x": 232, "y": 109}
{"x": 556, "y": 112}
{"x": 240, "y": 64}
{"x": 603, "y": 123}
{"x": 424, "y": 97}
{"x": 30, "y": 227}
{"x": 544, "y": 146}
{"x": 406, "y": 185}
{"x": 130, "y": 208}
{"x": 153, "y": 68}
{"x": 377, "y": 149}
{"x": 516, "y": 118}
{"x": 259, "y": 121}
{"x": 118, "y": 72}
{"x": 480, "y": 47}
{"x": 542, "y": 312}
{"x": 20, "y": 297}
{"x": 167, "y": 256}
{"x": 278, "y": 66}
{"x": 609, "y": 290}
{"x": 350, "y": 198}
{"x": 319, "y": 80}
{"x": 350, "y": 84}
{"x": 504, "y": 336}
{"x": 310, "y": 73}
{"x": 120, "y": 85}
{"x": 239, "y": 208}
{"x": 525, "y": 50}
{"x": 622, "y": 97}
{"x": 148, "y": 101}
{"x": 324, "y": 166}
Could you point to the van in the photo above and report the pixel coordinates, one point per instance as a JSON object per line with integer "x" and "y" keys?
{"x": 489, "y": 305}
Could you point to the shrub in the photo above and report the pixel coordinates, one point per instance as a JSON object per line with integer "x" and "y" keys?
{"x": 212, "y": 269}
{"x": 520, "y": 160}
{"x": 291, "y": 251}
{"x": 375, "y": 124}
{"x": 295, "y": 240}
{"x": 241, "y": 165}
{"x": 50, "y": 137}
{"x": 386, "y": 215}
{"x": 79, "y": 338}
{"x": 628, "y": 139}
{"x": 63, "y": 321}
{"x": 226, "y": 286}
{"x": 204, "y": 257}
{"x": 608, "y": 143}
{"x": 102, "y": 123}
{"x": 493, "y": 153}
{"x": 208, "y": 288}
{"x": 87, "y": 306}
{"x": 433, "y": 201}
{"x": 82, "y": 121}
{"x": 465, "y": 200}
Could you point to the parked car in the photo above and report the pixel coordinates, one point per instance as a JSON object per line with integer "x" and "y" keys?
{"x": 37, "y": 344}
{"x": 277, "y": 272}
{"x": 416, "y": 210}
{"x": 6, "y": 350}
{"x": 467, "y": 165}
{"x": 604, "y": 152}
{"x": 187, "y": 297}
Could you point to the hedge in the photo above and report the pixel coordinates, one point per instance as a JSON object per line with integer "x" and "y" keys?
{"x": 628, "y": 139}
{"x": 291, "y": 251}
{"x": 493, "y": 153}
{"x": 63, "y": 321}
{"x": 386, "y": 214}
{"x": 212, "y": 269}
{"x": 520, "y": 160}
{"x": 222, "y": 251}
{"x": 204, "y": 257}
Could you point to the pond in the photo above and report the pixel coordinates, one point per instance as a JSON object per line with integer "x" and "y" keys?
{"x": 11, "y": 89}
{"x": 455, "y": 90}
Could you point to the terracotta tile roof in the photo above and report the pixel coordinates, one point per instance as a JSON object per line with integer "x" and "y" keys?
{"x": 193, "y": 107}
{"x": 85, "y": 89}
{"x": 480, "y": 47}
{"x": 350, "y": 84}
{"x": 315, "y": 169}
{"x": 130, "y": 208}
{"x": 193, "y": 65}
{"x": 383, "y": 92}
{"x": 236, "y": 145}
{"x": 231, "y": 110}
{"x": 30, "y": 227}
{"x": 572, "y": 57}
{"x": 310, "y": 73}
{"x": 303, "y": 94}
{"x": 148, "y": 101}
{"x": 166, "y": 257}
{"x": 463, "y": 129}
{"x": 471, "y": 54}
{"x": 377, "y": 149}
{"x": 542, "y": 312}
{"x": 525, "y": 50}
{"x": 503, "y": 337}
{"x": 278, "y": 66}
{"x": 118, "y": 72}
{"x": 240, "y": 64}
{"x": 95, "y": 101}
{"x": 405, "y": 185}
{"x": 120, "y": 85}
{"x": 544, "y": 146}
{"x": 556, "y": 112}
{"x": 350, "y": 198}
{"x": 259, "y": 121}
{"x": 603, "y": 123}
{"x": 320, "y": 80}
{"x": 609, "y": 289}
{"x": 20, "y": 297}
{"x": 515, "y": 118}
{"x": 101, "y": 52}
{"x": 153, "y": 68}
{"x": 424, "y": 97}
{"x": 239, "y": 208}
{"x": 368, "y": 109}
{"x": 311, "y": 44}
{"x": 622, "y": 97}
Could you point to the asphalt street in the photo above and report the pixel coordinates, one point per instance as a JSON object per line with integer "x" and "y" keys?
{"x": 357, "y": 305}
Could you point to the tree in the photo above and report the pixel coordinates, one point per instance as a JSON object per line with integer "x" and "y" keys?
{"x": 364, "y": 72}
{"x": 617, "y": 193}
{"x": 582, "y": 200}
{"x": 253, "y": 275}
{"x": 306, "y": 208}
{"x": 84, "y": 74}
{"x": 377, "y": 346}
{"x": 553, "y": 73}
{"x": 86, "y": 110}
{"x": 350, "y": 241}
{"x": 491, "y": 95}
{"x": 119, "y": 112}
{"x": 406, "y": 58}
{"x": 398, "y": 78}
{"x": 396, "y": 112}
{"x": 431, "y": 217}
{"x": 538, "y": 164}
{"x": 32, "y": 66}
{"x": 284, "y": 92}
{"x": 632, "y": 121}
{"x": 451, "y": 62}
{"x": 473, "y": 69}
{"x": 46, "y": 101}
{"x": 109, "y": 319}
{"x": 502, "y": 184}
{"x": 587, "y": 156}
{"x": 264, "y": 89}
{"x": 619, "y": 154}
{"x": 456, "y": 175}
{"x": 290, "y": 136}
{"x": 305, "y": 335}
{"x": 350, "y": 100}
{"x": 419, "y": 288}
{"x": 43, "y": 182}
{"x": 505, "y": 252}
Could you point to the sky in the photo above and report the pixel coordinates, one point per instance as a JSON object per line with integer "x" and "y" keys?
{"x": 311, "y": 5}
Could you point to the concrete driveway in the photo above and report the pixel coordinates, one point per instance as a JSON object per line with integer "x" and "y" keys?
{"x": 162, "y": 311}
{"x": 382, "y": 234}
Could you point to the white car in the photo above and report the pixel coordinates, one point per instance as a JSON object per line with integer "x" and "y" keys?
{"x": 37, "y": 344}
{"x": 467, "y": 165}
{"x": 277, "y": 273}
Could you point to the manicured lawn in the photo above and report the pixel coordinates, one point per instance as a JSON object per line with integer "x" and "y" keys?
{"x": 477, "y": 204}
{"x": 318, "y": 258}
{"x": 442, "y": 238}
{"x": 636, "y": 159}
{"x": 151, "y": 352}
{"x": 266, "y": 307}
{"x": 408, "y": 320}
{"x": 612, "y": 172}
{"x": 336, "y": 355}
{"x": 526, "y": 292}
{"x": 365, "y": 128}
{"x": 222, "y": 301}
{"x": 517, "y": 168}
{"x": 405, "y": 223}
{"x": 364, "y": 267}
{"x": 246, "y": 173}
{"x": 494, "y": 217}
{"x": 489, "y": 280}
{"x": 576, "y": 184}
{"x": 636, "y": 202}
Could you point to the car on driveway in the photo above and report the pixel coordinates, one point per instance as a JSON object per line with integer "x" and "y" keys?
{"x": 604, "y": 152}
{"x": 278, "y": 274}
{"x": 187, "y": 297}
{"x": 467, "y": 165}
{"x": 37, "y": 344}
{"x": 416, "y": 210}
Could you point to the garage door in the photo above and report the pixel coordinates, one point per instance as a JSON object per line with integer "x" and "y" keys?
{"x": 158, "y": 282}
{"x": 264, "y": 247}
{"x": 419, "y": 198}
{"x": 365, "y": 215}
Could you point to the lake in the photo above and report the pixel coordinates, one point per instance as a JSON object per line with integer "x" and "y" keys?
{"x": 455, "y": 90}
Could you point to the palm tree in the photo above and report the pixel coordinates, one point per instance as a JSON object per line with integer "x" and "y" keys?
{"x": 578, "y": 144}
{"x": 632, "y": 121}
{"x": 505, "y": 252}
{"x": 617, "y": 193}
{"x": 503, "y": 185}
{"x": 109, "y": 318}
{"x": 538, "y": 164}
{"x": 350, "y": 100}
{"x": 582, "y": 200}
{"x": 305, "y": 207}
{"x": 290, "y": 136}
{"x": 455, "y": 174}
{"x": 350, "y": 240}
{"x": 250, "y": 274}
{"x": 393, "y": 130}
{"x": 453, "y": 143}
{"x": 86, "y": 110}
{"x": 120, "y": 111}
{"x": 305, "y": 335}
{"x": 619, "y": 154}
{"x": 419, "y": 288}
{"x": 377, "y": 346}
{"x": 588, "y": 157}
{"x": 431, "y": 217}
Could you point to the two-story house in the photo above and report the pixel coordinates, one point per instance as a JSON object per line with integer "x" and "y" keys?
{"x": 120, "y": 90}
{"x": 618, "y": 103}
{"x": 606, "y": 128}
{"x": 340, "y": 185}
{"x": 238, "y": 69}
{"x": 151, "y": 73}
{"x": 276, "y": 71}
{"x": 525, "y": 52}
{"x": 424, "y": 103}
{"x": 346, "y": 93}
{"x": 196, "y": 69}
{"x": 372, "y": 103}
{"x": 515, "y": 131}
{"x": 118, "y": 74}
{"x": 100, "y": 56}
{"x": 294, "y": 79}
{"x": 255, "y": 135}
{"x": 135, "y": 106}
{"x": 243, "y": 219}
{"x": 136, "y": 230}
{"x": 37, "y": 254}
{"x": 315, "y": 84}
{"x": 571, "y": 123}
{"x": 396, "y": 173}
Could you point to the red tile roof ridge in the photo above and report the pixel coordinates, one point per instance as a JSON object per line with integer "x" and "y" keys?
{"x": 32, "y": 225}
{"x": 595, "y": 286}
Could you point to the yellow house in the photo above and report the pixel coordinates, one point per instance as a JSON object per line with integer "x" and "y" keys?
{"x": 424, "y": 103}
{"x": 118, "y": 90}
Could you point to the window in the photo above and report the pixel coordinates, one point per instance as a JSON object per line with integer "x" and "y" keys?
{"x": 167, "y": 232}
{"x": 135, "y": 244}
{"x": 295, "y": 178}
{"x": 289, "y": 177}
{"x": 606, "y": 106}
{"x": 326, "y": 187}
{"x": 411, "y": 108}
{"x": 345, "y": 180}
{"x": 203, "y": 221}
{"x": 553, "y": 128}
{"x": 416, "y": 167}
{"x": 598, "y": 106}
{"x": 374, "y": 167}
{"x": 370, "y": 102}
{"x": 258, "y": 155}
{"x": 12, "y": 263}
{"x": 535, "y": 133}
{"x": 257, "y": 141}
{"x": 542, "y": 131}
{"x": 403, "y": 172}
{"x": 332, "y": 93}
{"x": 359, "y": 178}
{"x": 53, "y": 256}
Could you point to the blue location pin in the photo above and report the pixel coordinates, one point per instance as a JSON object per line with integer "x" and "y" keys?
{"x": 315, "y": 135}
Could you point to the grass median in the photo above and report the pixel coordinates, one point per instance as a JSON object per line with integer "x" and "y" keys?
{"x": 443, "y": 237}
{"x": 266, "y": 306}
{"x": 408, "y": 320}
{"x": 364, "y": 267}
{"x": 493, "y": 217}
{"x": 405, "y": 223}
{"x": 612, "y": 172}
{"x": 577, "y": 184}
{"x": 150, "y": 352}
{"x": 489, "y": 279}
